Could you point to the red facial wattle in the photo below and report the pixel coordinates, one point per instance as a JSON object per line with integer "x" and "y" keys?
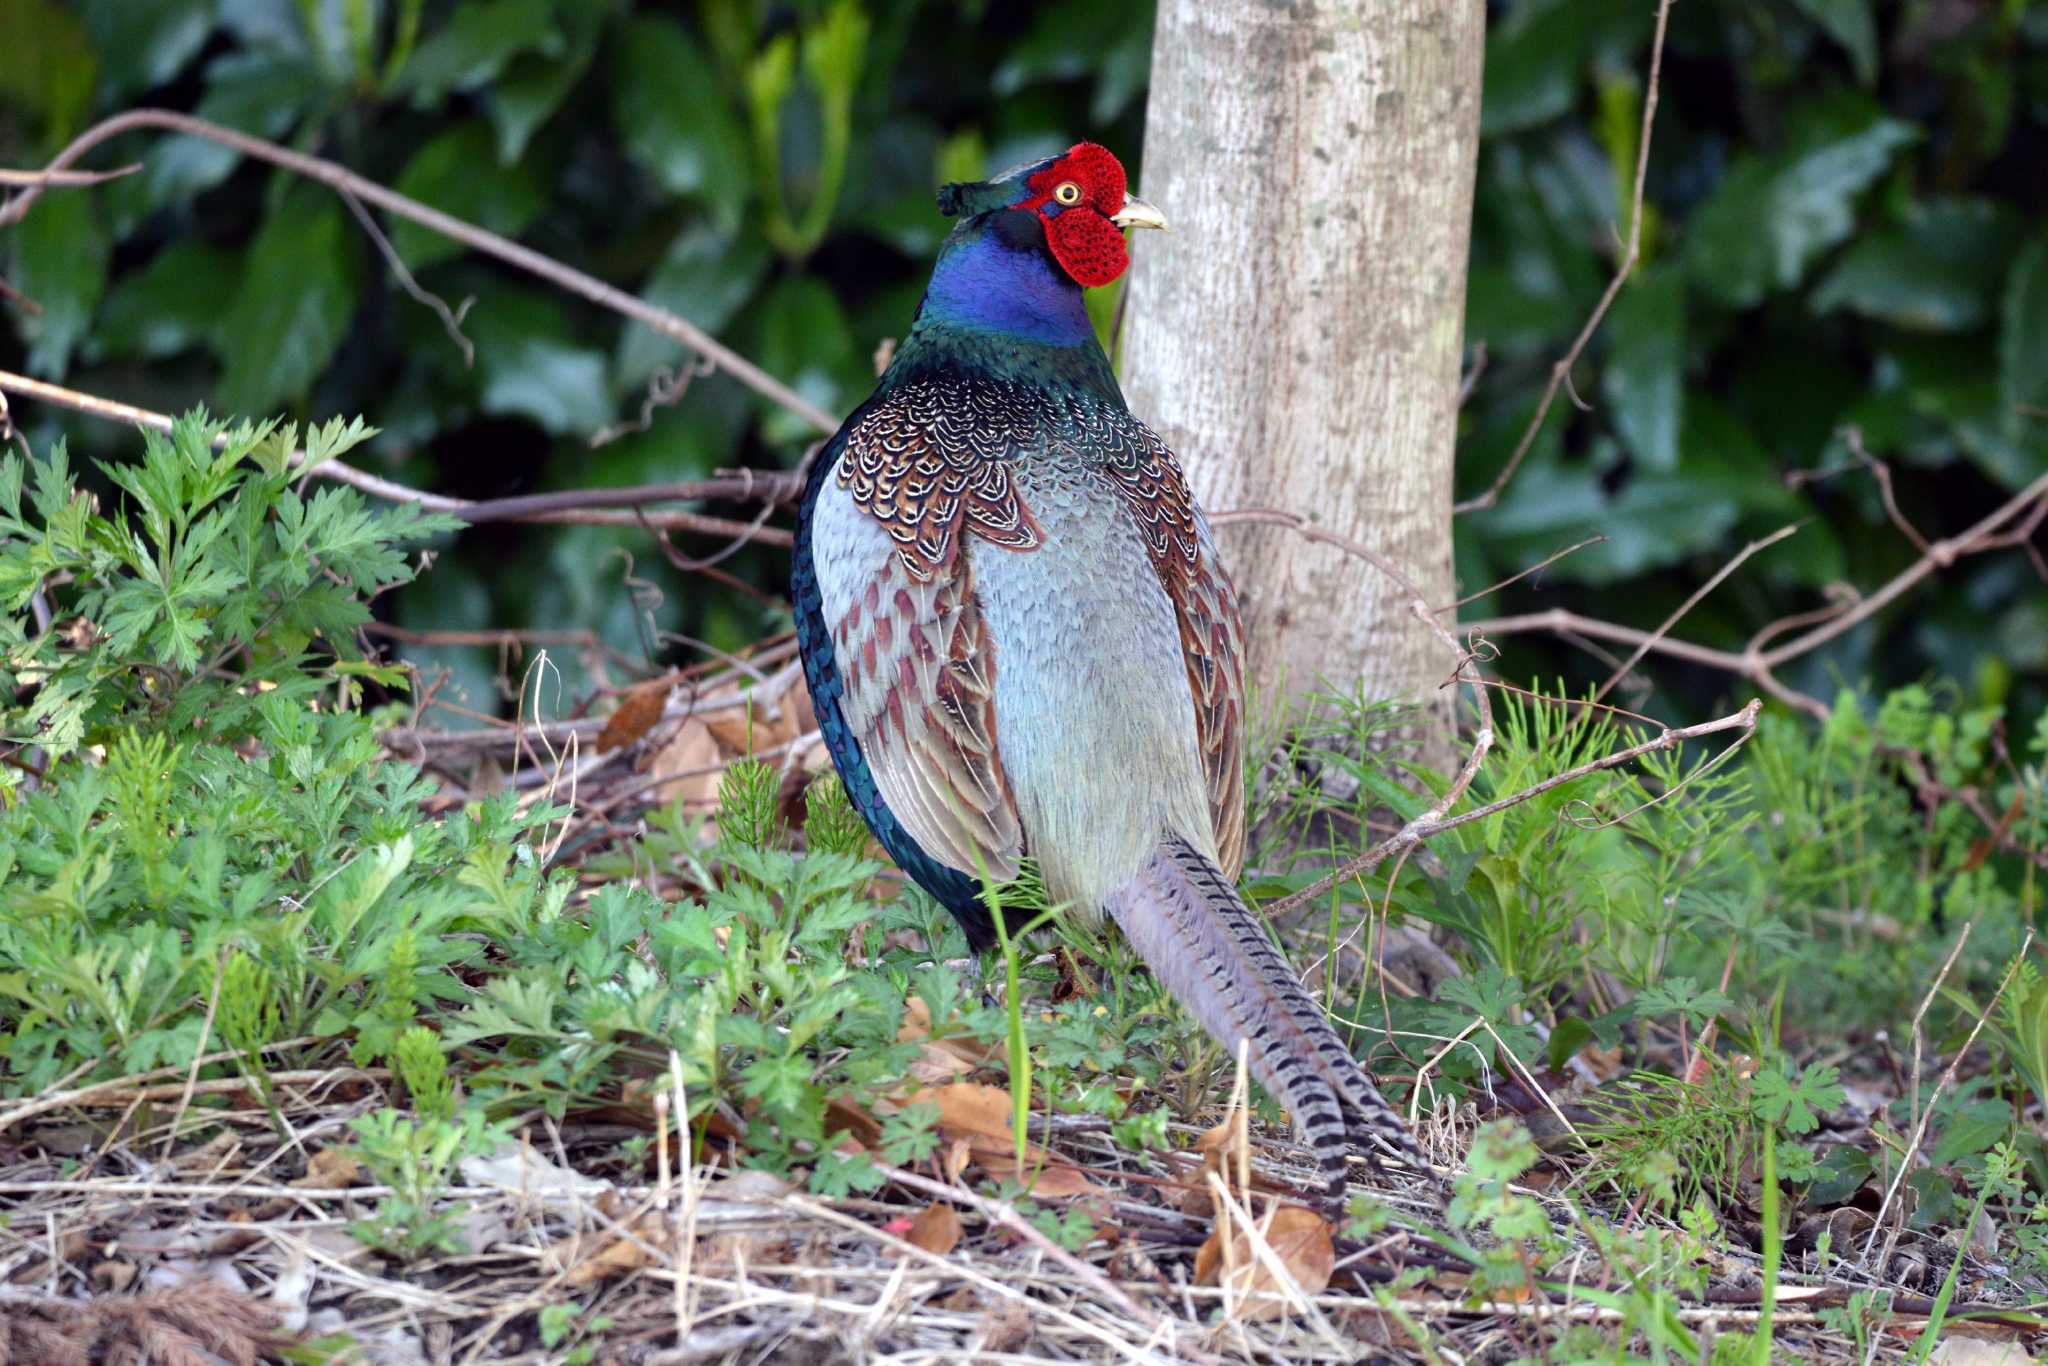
{"x": 1088, "y": 246}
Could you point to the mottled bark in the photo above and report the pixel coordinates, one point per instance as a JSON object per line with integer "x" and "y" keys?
{"x": 1296, "y": 337}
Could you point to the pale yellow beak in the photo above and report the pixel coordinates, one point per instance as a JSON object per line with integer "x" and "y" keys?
{"x": 1136, "y": 213}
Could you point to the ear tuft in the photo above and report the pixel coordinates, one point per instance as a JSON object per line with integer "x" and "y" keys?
{"x": 952, "y": 199}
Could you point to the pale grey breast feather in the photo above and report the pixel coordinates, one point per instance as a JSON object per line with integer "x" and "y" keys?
{"x": 1094, "y": 716}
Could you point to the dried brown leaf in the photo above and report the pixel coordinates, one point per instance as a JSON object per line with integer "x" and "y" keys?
{"x": 638, "y": 711}
{"x": 693, "y": 759}
{"x": 331, "y": 1169}
{"x": 936, "y": 1229}
{"x": 587, "y": 1258}
{"x": 1300, "y": 1240}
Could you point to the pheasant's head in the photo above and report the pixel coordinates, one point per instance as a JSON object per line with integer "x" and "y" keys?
{"x": 1075, "y": 203}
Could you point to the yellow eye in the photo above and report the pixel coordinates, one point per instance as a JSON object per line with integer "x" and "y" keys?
{"x": 1067, "y": 192}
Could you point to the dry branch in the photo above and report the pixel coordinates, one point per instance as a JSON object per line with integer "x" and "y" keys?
{"x": 586, "y": 507}
{"x": 347, "y": 183}
{"x": 1560, "y": 373}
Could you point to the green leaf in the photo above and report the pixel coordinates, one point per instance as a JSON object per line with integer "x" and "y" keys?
{"x": 533, "y": 86}
{"x": 474, "y": 46}
{"x": 1849, "y": 23}
{"x": 1797, "y": 1104}
{"x": 1645, "y": 376}
{"x": 1771, "y": 216}
{"x": 145, "y": 45}
{"x": 297, "y": 292}
{"x": 2023, "y": 340}
{"x": 260, "y": 92}
{"x": 454, "y": 172}
{"x": 47, "y": 65}
{"x": 529, "y": 364}
{"x": 670, "y": 108}
{"x": 705, "y": 276}
{"x": 1570, "y": 1035}
{"x": 1973, "y": 1129}
{"x": 1654, "y": 521}
{"x": 800, "y": 333}
{"x": 1936, "y": 271}
{"x": 1841, "y": 1172}
{"x": 60, "y": 262}
{"x": 1079, "y": 39}
{"x": 170, "y": 305}
{"x": 1536, "y": 55}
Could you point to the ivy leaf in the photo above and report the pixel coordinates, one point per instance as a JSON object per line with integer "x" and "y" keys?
{"x": 259, "y": 92}
{"x": 47, "y": 64}
{"x": 473, "y": 47}
{"x": 170, "y": 305}
{"x": 453, "y": 172}
{"x": 1795, "y": 1103}
{"x": 1935, "y": 272}
{"x": 2023, "y": 339}
{"x": 669, "y": 107}
{"x": 1973, "y": 1128}
{"x": 1537, "y": 54}
{"x": 530, "y": 365}
{"x": 1078, "y": 39}
{"x": 1849, "y": 23}
{"x": 60, "y": 261}
{"x": 297, "y": 292}
{"x": 800, "y": 332}
{"x": 143, "y": 46}
{"x": 1840, "y": 1173}
{"x": 1772, "y": 215}
{"x": 1645, "y": 376}
{"x": 705, "y": 276}
{"x": 534, "y": 85}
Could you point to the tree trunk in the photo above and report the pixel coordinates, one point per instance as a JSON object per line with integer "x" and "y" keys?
{"x": 1296, "y": 337}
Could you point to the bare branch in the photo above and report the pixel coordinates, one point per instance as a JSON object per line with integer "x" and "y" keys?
{"x": 37, "y": 180}
{"x": 585, "y": 507}
{"x": 346, "y": 182}
{"x": 1691, "y": 602}
{"x": 1536, "y": 568}
{"x": 1560, "y": 373}
{"x": 1431, "y": 823}
{"x": 451, "y": 318}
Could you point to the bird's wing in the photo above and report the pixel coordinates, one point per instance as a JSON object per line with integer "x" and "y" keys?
{"x": 1212, "y": 644}
{"x": 1183, "y": 553}
{"x": 912, "y": 646}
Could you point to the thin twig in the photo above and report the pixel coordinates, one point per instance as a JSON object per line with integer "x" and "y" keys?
{"x": 583, "y": 507}
{"x": 1433, "y": 823}
{"x": 1679, "y": 613}
{"x": 1536, "y": 568}
{"x": 1560, "y": 373}
{"x": 451, "y": 318}
{"x": 38, "y": 180}
{"x": 1005, "y": 1214}
{"x": 344, "y": 181}
{"x": 1941, "y": 1083}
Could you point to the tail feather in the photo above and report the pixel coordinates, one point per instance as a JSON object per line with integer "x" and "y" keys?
{"x": 1199, "y": 938}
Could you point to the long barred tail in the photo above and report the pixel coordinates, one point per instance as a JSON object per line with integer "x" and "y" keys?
{"x": 1189, "y": 925}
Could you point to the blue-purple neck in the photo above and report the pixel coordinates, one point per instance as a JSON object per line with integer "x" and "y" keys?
{"x": 999, "y": 307}
{"x": 985, "y": 284}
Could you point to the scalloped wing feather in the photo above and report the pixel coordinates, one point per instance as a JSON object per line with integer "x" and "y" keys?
{"x": 919, "y": 670}
{"x": 1212, "y": 642}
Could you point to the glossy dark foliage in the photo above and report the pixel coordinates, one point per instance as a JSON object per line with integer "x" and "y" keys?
{"x": 1844, "y": 226}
